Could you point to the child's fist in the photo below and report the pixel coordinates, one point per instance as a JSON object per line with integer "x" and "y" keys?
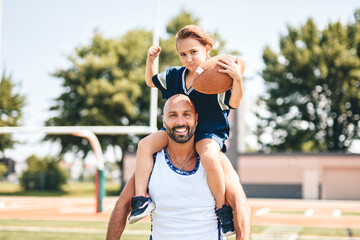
{"x": 153, "y": 52}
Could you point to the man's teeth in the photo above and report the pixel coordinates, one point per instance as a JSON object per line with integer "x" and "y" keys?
{"x": 181, "y": 130}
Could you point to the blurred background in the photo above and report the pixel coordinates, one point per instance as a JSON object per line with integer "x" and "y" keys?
{"x": 81, "y": 63}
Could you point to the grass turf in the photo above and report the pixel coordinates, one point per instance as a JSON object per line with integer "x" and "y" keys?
{"x": 77, "y": 230}
{"x": 74, "y": 189}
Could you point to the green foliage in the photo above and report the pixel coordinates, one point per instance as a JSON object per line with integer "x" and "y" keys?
{"x": 3, "y": 170}
{"x": 11, "y": 104}
{"x": 312, "y": 98}
{"x": 42, "y": 174}
{"x": 180, "y": 21}
{"x": 104, "y": 86}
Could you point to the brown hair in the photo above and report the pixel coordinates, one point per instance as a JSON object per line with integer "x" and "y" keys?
{"x": 193, "y": 31}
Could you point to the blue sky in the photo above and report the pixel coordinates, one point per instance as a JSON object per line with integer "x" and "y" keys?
{"x": 37, "y": 35}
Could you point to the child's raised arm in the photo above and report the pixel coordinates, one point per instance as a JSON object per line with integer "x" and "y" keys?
{"x": 152, "y": 54}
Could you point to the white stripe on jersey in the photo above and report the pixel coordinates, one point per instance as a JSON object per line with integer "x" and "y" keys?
{"x": 187, "y": 92}
{"x": 185, "y": 207}
{"x": 162, "y": 79}
{"x": 221, "y": 101}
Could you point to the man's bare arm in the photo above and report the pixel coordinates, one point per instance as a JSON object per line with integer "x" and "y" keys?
{"x": 236, "y": 197}
{"x": 121, "y": 210}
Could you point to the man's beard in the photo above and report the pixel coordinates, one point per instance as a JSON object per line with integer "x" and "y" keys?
{"x": 182, "y": 138}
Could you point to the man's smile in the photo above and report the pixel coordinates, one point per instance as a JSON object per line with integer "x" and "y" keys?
{"x": 181, "y": 130}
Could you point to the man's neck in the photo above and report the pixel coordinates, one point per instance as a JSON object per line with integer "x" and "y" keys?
{"x": 181, "y": 151}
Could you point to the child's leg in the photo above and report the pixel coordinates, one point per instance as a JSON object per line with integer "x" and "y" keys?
{"x": 236, "y": 198}
{"x": 209, "y": 151}
{"x": 144, "y": 159}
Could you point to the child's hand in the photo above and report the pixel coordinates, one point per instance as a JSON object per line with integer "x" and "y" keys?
{"x": 153, "y": 53}
{"x": 232, "y": 68}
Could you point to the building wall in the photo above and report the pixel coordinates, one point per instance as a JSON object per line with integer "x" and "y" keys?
{"x": 320, "y": 176}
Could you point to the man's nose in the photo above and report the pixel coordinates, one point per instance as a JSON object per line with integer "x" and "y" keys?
{"x": 180, "y": 120}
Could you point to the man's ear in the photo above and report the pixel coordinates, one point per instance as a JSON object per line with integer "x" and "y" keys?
{"x": 163, "y": 121}
{"x": 196, "y": 118}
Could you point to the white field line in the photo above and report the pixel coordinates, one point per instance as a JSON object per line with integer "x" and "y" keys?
{"x": 262, "y": 211}
{"x": 76, "y": 210}
{"x": 280, "y": 233}
{"x": 336, "y": 213}
{"x": 309, "y": 212}
{"x": 269, "y": 236}
{"x": 51, "y": 229}
{"x": 69, "y": 230}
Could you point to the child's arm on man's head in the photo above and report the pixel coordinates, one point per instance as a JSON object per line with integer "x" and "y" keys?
{"x": 150, "y": 71}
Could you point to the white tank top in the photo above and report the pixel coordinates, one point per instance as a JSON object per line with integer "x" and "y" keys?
{"x": 185, "y": 207}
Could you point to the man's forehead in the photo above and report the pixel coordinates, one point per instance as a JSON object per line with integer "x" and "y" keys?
{"x": 178, "y": 103}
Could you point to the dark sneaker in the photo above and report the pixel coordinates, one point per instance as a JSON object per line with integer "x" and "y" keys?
{"x": 225, "y": 214}
{"x": 141, "y": 207}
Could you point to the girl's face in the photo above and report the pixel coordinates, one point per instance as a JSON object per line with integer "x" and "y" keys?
{"x": 192, "y": 53}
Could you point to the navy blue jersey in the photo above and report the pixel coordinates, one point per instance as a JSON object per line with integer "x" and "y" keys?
{"x": 213, "y": 109}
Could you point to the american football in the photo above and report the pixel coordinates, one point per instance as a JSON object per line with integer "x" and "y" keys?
{"x": 209, "y": 80}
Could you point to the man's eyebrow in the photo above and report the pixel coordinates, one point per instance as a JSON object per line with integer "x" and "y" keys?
{"x": 185, "y": 111}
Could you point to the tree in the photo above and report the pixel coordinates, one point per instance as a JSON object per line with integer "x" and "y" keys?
{"x": 3, "y": 170}
{"x": 105, "y": 85}
{"x": 11, "y": 105}
{"x": 42, "y": 174}
{"x": 312, "y": 101}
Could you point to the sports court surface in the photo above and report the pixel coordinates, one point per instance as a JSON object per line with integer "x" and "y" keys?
{"x": 272, "y": 218}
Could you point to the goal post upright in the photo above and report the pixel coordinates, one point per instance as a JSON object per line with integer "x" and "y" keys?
{"x": 154, "y": 91}
{"x": 99, "y": 177}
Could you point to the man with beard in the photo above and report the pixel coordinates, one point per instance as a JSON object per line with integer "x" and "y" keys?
{"x": 185, "y": 206}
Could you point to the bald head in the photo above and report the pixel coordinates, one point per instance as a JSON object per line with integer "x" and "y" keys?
{"x": 177, "y": 101}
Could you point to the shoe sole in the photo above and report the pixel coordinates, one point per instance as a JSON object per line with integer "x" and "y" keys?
{"x": 227, "y": 234}
{"x": 134, "y": 219}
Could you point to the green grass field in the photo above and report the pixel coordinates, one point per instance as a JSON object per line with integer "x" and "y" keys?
{"x": 89, "y": 230}
{"x": 289, "y": 212}
{"x": 69, "y": 230}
